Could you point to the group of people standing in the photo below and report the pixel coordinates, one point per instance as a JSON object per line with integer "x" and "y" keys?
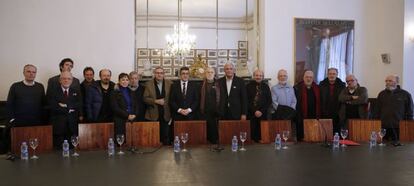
{"x": 68, "y": 102}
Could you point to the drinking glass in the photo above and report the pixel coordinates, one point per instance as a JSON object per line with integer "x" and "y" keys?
{"x": 120, "y": 139}
{"x": 344, "y": 134}
{"x": 75, "y": 142}
{"x": 381, "y": 134}
{"x": 243, "y": 138}
{"x": 33, "y": 144}
{"x": 285, "y": 136}
{"x": 184, "y": 139}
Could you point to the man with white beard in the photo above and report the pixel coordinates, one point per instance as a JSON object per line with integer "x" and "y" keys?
{"x": 394, "y": 104}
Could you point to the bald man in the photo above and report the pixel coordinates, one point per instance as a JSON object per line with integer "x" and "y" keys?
{"x": 308, "y": 101}
{"x": 394, "y": 104}
{"x": 259, "y": 100}
{"x": 65, "y": 103}
{"x": 353, "y": 100}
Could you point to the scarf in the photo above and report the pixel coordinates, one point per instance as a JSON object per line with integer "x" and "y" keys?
{"x": 304, "y": 100}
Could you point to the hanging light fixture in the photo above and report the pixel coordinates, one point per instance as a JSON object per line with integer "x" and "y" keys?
{"x": 180, "y": 42}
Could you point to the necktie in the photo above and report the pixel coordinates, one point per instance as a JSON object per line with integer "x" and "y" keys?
{"x": 184, "y": 93}
{"x": 65, "y": 93}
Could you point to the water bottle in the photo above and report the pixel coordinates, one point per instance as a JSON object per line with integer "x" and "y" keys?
{"x": 234, "y": 144}
{"x": 65, "y": 146}
{"x": 24, "y": 153}
{"x": 176, "y": 144}
{"x": 278, "y": 142}
{"x": 336, "y": 140}
{"x": 111, "y": 147}
{"x": 373, "y": 139}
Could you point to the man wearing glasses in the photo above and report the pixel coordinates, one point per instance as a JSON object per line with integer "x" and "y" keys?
{"x": 353, "y": 100}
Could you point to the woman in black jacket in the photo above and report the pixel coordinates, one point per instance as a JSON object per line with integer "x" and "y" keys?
{"x": 123, "y": 104}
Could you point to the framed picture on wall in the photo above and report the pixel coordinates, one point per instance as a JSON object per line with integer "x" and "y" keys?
{"x": 141, "y": 62}
{"x": 212, "y": 54}
{"x": 222, "y": 61}
{"x": 242, "y": 44}
{"x": 212, "y": 62}
{"x": 156, "y": 62}
{"x": 243, "y": 53}
{"x": 156, "y": 52}
{"x": 202, "y": 53}
{"x": 167, "y": 62}
{"x": 233, "y": 61}
{"x": 178, "y": 63}
{"x": 189, "y": 62}
{"x": 190, "y": 54}
{"x": 142, "y": 52}
{"x": 166, "y": 53}
{"x": 168, "y": 71}
{"x": 233, "y": 53}
{"x": 220, "y": 70}
{"x": 222, "y": 53}
{"x": 175, "y": 71}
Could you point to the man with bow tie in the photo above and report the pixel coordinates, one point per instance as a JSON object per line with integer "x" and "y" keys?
{"x": 65, "y": 103}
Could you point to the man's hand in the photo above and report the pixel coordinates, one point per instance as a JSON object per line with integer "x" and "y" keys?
{"x": 131, "y": 117}
{"x": 243, "y": 117}
{"x": 258, "y": 114}
{"x": 159, "y": 101}
{"x": 63, "y": 105}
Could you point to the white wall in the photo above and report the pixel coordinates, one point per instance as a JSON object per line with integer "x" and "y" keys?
{"x": 97, "y": 33}
{"x": 408, "y": 77}
{"x": 378, "y": 29}
{"x": 100, "y": 33}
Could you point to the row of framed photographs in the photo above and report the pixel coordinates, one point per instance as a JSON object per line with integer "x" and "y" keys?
{"x": 169, "y": 62}
{"x": 173, "y": 71}
{"x": 205, "y": 53}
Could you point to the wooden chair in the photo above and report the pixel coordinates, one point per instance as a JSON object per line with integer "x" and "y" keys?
{"x": 269, "y": 128}
{"x": 197, "y": 131}
{"x": 230, "y": 128}
{"x": 94, "y": 136}
{"x": 143, "y": 134}
{"x": 42, "y": 133}
{"x": 316, "y": 130}
{"x": 360, "y": 129}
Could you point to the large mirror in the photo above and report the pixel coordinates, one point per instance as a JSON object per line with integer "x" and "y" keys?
{"x": 321, "y": 44}
{"x": 224, "y": 30}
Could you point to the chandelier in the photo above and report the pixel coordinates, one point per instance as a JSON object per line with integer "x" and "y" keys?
{"x": 180, "y": 42}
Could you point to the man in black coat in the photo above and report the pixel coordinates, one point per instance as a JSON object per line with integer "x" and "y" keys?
{"x": 184, "y": 98}
{"x": 138, "y": 91}
{"x": 394, "y": 104}
{"x": 233, "y": 97}
{"x": 65, "y": 103}
{"x": 259, "y": 99}
{"x": 330, "y": 88}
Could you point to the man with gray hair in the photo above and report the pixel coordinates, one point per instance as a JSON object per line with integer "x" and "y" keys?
{"x": 233, "y": 97}
{"x": 65, "y": 103}
{"x": 394, "y": 104}
{"x": 259, "y": 99}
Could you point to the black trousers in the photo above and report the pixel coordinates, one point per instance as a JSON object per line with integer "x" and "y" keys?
{"x": 212, "y": 127}
{"x": 392, "y": 134}
{"x": 166, "y": 136}
{"x": 255, "y": 130}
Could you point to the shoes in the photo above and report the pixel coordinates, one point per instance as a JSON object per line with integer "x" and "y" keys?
{"x": 397, "y": 144}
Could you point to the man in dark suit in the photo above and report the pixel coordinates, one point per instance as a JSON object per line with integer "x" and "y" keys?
{"x": 138, "y": 91}
{"x": 65, "y": 103}
{"x": 233, "y": 97}
{"x": 259, "y": 100}
{"x": 184, "y": 98}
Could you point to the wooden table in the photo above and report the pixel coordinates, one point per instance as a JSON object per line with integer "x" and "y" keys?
{"x": 269, "y": 128}
{"x": 95, "y": 136}
{"x": 360, "y": 129}
{"x": 143, "y": 134}
{"x": 230, "y": 128}
{"x": 406, "y": 131}
{"x": 42, "y": 133}
{"x": 316, "y": 130}
{"x": 196, "y": 129}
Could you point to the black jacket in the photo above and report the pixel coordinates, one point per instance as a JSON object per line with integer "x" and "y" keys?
{"x": 264, "y": 101}
{"x": 140, "y": 106}
{"x": 330, "y": 104}
{"x": 394, "y": 106}
{"x": 191, "y": 100}
{"x": 236, "y": 101}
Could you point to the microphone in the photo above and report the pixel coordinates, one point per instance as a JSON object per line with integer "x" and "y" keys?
{"x": 325, "y": 143}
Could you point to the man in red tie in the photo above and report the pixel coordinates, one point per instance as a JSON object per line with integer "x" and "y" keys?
{"x": 65, "y": 103}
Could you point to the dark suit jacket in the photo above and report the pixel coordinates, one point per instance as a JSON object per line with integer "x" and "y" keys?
{"x": 191, "y": 100}
{"x": 140, "y": 106}
{"x": 53, "y": 83}
{"x": 236, "y": 101}
{"x": 119, "y": 105}
{"x": 60, "y": 116}
{"x": 265, "y": 98}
